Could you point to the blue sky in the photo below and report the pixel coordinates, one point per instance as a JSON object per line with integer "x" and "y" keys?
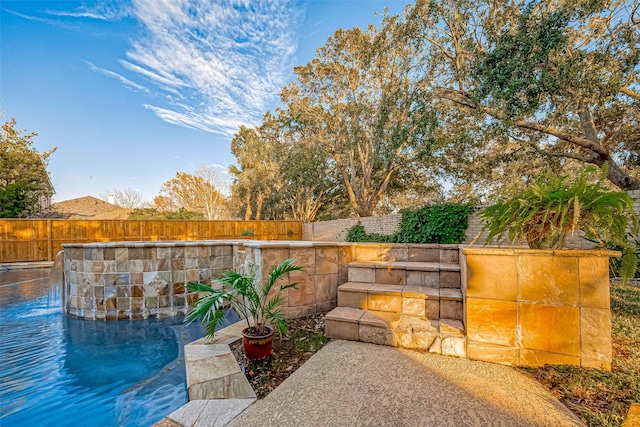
{"x": 133, "y": 91}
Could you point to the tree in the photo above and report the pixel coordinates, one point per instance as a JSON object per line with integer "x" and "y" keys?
{"x": 155, "y": 214}
{"x": 126, "y": 198}
{"x": 23, "y": 175}
{"x": 256, "y": 176}
{"x": 283, "y": 174}
{"x": 200, "y": 192}
{"x": 558, "y": 79}
{"x": 362, "y": 101}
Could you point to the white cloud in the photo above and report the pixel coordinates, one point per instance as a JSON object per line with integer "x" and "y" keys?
{"x": 103, "y": 11}
{"x": 217, "y": 64}
{"x": 211, "y": 65}
{"x": 125, "y": 81}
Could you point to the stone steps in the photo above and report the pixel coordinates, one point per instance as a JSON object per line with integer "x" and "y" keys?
{"x": 443, "y": 336}
{"x": 432, "y": 303}
{"x": 427, "y": 274}
{"x": 412, "y": 304}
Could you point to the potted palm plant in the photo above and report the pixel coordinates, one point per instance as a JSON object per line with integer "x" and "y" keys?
{"x": 247, "y": 234}
{"x": 255, "y": 300}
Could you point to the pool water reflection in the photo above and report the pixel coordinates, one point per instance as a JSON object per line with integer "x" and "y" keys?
{"x": 58, "y": 370}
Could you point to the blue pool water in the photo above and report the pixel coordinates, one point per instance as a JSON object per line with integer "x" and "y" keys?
{"x": 61, "y": 371}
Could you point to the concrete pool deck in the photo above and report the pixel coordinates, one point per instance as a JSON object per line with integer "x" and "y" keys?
{"x": 358, "y": 384}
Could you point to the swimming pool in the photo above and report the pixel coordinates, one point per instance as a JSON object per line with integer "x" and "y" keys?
{"x": 57, "y": 370}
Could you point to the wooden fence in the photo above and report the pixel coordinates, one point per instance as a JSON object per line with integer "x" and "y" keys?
{"x": 41, "y": 239}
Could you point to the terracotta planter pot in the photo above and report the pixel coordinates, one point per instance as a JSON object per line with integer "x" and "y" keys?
{"x": 247, "y": 237}
{"x": 258, "y": 347}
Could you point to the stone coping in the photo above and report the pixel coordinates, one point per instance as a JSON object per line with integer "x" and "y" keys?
{"x": 151, "y": 244}
{"x": 543, "y": 252}
{"x": 218, "y": 389}
{"x": 254, "y": 244}
{"x": 25, "y": 265}
{"x": 206, "y": 413}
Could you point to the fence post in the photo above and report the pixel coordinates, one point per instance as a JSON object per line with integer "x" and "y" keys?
{"x": 49, "y": 240}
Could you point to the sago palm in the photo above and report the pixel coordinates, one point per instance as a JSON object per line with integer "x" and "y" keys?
{"x": 249, "y": 297}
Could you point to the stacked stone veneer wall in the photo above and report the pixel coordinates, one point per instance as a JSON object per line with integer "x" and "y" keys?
{"x": 533, "y": 307}
{"x": 115, "y": 281}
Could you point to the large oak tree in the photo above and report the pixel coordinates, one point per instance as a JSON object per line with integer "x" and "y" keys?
{"x": 557, "y": 78}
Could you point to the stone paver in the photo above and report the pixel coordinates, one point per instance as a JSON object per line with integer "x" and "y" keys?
{"x": 206, "y": 413}
{"x": 357, "y": 384}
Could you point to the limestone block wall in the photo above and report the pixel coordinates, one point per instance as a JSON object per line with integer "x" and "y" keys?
{"x": 135, "y": 280}
{"x": 532, "y": 307}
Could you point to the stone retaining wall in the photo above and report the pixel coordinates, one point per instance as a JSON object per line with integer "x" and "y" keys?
{"x": 127, "y": 280}
{"x": 536, "y": 307}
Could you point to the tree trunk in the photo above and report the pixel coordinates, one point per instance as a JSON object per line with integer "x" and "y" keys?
{"x": 259, "y": 200}
{"x": 247, "y": 212}
{"x": 620, "y": 178}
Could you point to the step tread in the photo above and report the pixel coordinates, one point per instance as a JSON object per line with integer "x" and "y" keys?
{"x": 380, "y": 319}
{"x": 407, "y": 291}
{"x": 420, "y": 292}
{"x": 345, "y": 314}
{"x": 407, "y": 265}
{"x": 451, "y": 294}
{"x": 355, "y": 287}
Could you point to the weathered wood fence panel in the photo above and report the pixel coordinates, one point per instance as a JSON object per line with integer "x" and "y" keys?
{"x": 41, "y": 239}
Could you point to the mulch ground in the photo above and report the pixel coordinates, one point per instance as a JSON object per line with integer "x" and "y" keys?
{"x": 306, "y": 337}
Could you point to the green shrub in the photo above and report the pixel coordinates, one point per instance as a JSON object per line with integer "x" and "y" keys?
{"x": 357, "y": 234}
{"x": 444, "y": 224}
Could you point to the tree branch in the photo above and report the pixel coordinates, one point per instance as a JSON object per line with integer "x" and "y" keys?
{"x": 630, "y": 92}
{"x": 576, "y": 140}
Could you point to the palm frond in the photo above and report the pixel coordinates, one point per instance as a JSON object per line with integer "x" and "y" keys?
{"x": 252, "y": 299}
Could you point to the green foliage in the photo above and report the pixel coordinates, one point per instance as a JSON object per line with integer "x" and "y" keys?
{"x": 247, "y": 233}
{"x": 23, "y": 175}
{"x": 522, "y": 58}
{"x": 357, "y": 234}
{"x": 444, "y": 224}
{"x": 544, "y": 213}
{"x": 251, "y": 298}
{"x": 15, "y": 198}
{"x": 616, "y": 265}
{"x": 524, "y": 82}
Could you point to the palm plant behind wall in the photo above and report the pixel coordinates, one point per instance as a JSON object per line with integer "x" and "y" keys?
{"x": 551, "y": 208}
